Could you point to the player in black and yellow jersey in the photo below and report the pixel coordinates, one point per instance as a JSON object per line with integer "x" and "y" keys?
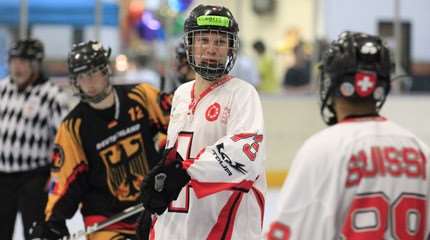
{"x": 104, "y": 147}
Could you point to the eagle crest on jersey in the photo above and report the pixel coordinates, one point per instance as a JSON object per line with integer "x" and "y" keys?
{"x": 125, "y": 164}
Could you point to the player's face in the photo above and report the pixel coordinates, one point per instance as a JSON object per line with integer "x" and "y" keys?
{"x": 20, "y": 70}
{"x": 210, "y": 48}
{"x": 92, "y": 82}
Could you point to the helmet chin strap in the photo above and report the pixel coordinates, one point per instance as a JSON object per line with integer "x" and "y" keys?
{"x": 97, "y": 98}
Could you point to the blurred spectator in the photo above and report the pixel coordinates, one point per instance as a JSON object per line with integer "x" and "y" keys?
{"x": 266, "y": 68}
{"x": 298, "y": 75}
{"x": 31, "y": 107}
{"x": 141, "y": 71}
{"x": 246, "y": 68}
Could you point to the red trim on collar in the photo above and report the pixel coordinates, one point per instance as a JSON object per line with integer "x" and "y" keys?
{"x": 363, "y": 119}
{"x": 195, "y": 101}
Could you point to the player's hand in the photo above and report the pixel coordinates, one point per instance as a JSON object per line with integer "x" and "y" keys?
{"x": 48, "y": 230}
{"x": 163, "y": 184}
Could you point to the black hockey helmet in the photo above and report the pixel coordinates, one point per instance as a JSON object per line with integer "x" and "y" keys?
{"x": 31, "y": 49}
{"x": 180, "y": 51}
{"x": 357, "y": 67}
{"x": 181, "y": 62}
{"x": 87, "y": 56}
{"x": 217, "y": 20}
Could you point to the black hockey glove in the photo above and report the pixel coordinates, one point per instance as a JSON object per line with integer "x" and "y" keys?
{"x": 163, "y": 184}
{"x": 48, "y": 230}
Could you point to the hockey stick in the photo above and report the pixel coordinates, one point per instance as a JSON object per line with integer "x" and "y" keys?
{"x": 114, "y": 219}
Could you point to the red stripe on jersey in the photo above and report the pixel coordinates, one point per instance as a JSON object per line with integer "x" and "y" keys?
{"x": 188, "y": 162}
{"x": 223, "y": 229}
{"x": 80, "y": 168}
{"x": 203, "y": 189}
{"x": 91, "y": 220}
{"x": 195, "y": 100}
{"x": 152, "y": 232}
{"x": 260, "y": 200}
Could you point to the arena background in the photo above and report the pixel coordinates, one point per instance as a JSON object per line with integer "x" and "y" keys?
{"x": 290, "y": 116}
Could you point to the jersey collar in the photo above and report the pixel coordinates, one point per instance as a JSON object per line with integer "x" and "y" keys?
{"x": 363, "y": 118}
{"x": 195, "y": 100}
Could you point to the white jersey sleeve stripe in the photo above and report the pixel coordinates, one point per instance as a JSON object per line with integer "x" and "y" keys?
{"x": 204, "y": 189}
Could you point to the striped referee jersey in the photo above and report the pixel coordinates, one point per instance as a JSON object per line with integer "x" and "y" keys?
{"x": 28, "y": 122}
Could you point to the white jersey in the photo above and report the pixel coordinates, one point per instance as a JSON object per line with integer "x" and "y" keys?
{"x": 364, "y": 178}
{"x": 220, "y": 134}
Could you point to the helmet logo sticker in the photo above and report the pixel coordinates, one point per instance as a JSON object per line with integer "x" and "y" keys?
{"x": 369, "y": 48}
{"x": 365, "y": 83}
{"x": 213, "y": 112}
{"x": 379, "y": 93}
{"x": 97, "y": 46}
{"x": 347, "y": 89}
{"x": 219, "y": 21}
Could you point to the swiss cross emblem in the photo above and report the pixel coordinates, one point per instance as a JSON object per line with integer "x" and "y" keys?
{"x": 365, "y": 83}
{"x": 213, "y": 112}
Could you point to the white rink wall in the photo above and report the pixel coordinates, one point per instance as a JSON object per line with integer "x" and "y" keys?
{"x": 290, "y": 120}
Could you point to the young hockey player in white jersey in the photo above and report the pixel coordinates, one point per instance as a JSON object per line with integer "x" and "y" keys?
{"x": 365, "y": 177}
{"x": 217, "y": 129}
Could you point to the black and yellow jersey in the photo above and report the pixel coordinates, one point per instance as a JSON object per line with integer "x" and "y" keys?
{"x": 100, "y": 162}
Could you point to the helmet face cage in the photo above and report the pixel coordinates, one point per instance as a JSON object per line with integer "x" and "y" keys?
{"x": 224, "y": 44}
{"x": 104, "y": 69}
{"x": 86, "y": 59}
{"x": 31, "y": 49}
{"x": 211, "y": 41}
{"x": 357, "y": 67}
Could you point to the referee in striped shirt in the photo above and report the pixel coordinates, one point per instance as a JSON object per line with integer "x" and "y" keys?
{"x": 31, "y": 107}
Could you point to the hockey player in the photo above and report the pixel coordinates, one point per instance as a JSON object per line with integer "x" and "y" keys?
{"x": 31, "y": 108}
{"x": 104, "y": 148}
{"x": 184, "y": 71}
{"x": 364, "y": 177}
{"x": 216, "y": 178}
